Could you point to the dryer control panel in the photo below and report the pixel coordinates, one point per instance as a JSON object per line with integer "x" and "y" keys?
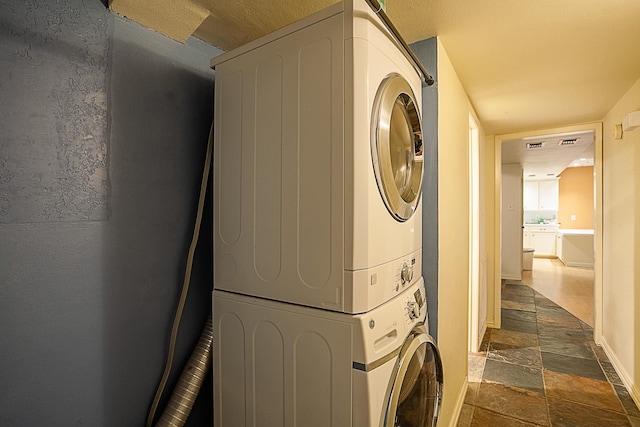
{"x": 407, "y": 270}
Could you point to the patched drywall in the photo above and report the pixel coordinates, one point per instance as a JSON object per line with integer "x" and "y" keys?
{"x": 104, "y": 127}
{"x": 54, "y": 150}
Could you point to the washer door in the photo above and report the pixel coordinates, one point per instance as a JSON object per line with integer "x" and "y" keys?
{"x": 415, "y": 394}
{"x": 396, "y": 146}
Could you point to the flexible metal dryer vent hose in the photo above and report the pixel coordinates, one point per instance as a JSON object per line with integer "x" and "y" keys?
{"x": 186, "y": 390}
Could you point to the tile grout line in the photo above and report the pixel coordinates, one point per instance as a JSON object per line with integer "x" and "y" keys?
{"x": 544, "y": 382}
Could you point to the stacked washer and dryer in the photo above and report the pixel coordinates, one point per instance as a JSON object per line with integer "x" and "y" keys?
{"x": 319, "y": 307}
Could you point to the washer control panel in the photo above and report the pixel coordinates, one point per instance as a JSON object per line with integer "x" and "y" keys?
{"x": 413, "y": 310}
{"x": 414, "y": 304}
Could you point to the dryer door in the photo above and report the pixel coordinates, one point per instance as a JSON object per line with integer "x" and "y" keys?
{"x": 416, "y": 392}
{"x": 396, "y": 146}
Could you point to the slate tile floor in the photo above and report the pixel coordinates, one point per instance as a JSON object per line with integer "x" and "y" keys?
{"x": 542, "y": 368}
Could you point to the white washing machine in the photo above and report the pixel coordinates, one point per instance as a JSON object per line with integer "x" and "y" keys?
{"x": 278, "y": 364}
{"x": 318, "y": 164}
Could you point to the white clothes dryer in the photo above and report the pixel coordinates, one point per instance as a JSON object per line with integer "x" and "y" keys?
{"x": 318, "y": 164}
{"x": 279, "y": 364}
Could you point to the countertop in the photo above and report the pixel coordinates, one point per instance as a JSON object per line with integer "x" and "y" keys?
{"x": 538, "y": 226}
{"x": 574, "y": 231}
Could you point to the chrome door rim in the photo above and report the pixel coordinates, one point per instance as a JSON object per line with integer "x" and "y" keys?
{"x": 398, "y": 169}
{"x": 417, "y": 338}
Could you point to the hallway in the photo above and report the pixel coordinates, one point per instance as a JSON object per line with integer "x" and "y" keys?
{"x": 542, "y": 368}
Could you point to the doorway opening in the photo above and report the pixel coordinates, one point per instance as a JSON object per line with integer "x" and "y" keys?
{"x": 550, "y": 138}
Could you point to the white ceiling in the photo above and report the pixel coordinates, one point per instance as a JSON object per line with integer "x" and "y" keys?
{"x": 525, "y": 64}
{"x": 547, "y": 158}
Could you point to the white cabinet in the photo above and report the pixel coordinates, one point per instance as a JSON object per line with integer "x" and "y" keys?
{"x": 530, "y": 195}
{"x": 548, "y": 195}
{"x": 541, "y": 238}
{"x": 544, "y": 243}
{"x": 540, "y": 195}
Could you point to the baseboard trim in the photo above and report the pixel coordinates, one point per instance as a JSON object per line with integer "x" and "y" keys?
{"x": 459, "y": 402}
{"x": 579, "y": 264}
{"x": 483, "y": 330}
{"x": 627, "y": 381}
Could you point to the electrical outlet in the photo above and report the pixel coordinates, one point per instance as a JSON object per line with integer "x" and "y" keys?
{"x": 573, "y": 217}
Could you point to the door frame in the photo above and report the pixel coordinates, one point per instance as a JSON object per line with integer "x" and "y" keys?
{"x": 596, "y": 127}
{"x": 477, "y": 325}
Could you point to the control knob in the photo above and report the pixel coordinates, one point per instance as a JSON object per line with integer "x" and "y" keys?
{"x": 413, "y": 309}
{"x": 406, "y": 274}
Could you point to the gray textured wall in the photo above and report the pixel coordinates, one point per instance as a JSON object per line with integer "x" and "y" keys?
{"x": 427, "y": 53}
{"x": 103, "y": 128}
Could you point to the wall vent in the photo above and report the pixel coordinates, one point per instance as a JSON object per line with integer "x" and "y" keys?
{"x": 533, "y": 145}
{"x": 568, "y": 141}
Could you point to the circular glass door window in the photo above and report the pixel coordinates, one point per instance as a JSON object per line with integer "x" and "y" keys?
{"x": 396, "y": 146}
{"x": 416, "y": 394}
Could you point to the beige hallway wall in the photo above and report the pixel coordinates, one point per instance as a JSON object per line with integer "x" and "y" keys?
{"x": 453, "y": 232}
{"x": 621, "y": 241}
